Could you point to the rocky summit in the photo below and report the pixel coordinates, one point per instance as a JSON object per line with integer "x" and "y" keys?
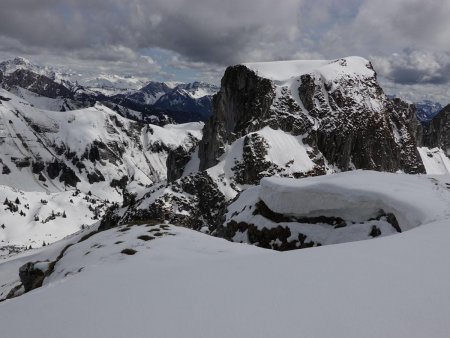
{"x": 289, "y": 119}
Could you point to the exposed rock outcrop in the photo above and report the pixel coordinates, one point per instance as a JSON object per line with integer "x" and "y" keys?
{"x": 176, "y": 162}
{"x": 32, "y": 276}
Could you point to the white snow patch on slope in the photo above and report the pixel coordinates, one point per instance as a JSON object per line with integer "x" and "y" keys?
{"x": 435, "y": 161}
{"x": 39, "y": 101}
{"x": 283, "y": 149}
{"x": 193, "y": 165}
{"x": 36, "y": 225}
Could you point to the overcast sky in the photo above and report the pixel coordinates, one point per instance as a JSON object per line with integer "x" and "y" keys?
{"x": 407, "y": 40}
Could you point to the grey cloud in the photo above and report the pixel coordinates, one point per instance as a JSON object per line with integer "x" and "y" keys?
{"x": 415, "y": 67}
{"x": 417, "y": 92}
{"x": 386, "y": 26}
{"x": 212, "y": 31}
{"x": 231, "y": 31}
{"x": 206, "y": 35}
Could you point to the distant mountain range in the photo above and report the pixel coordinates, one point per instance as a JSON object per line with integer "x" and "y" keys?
{"x": 156, "y": 102}
{"x": 427, "y": 110}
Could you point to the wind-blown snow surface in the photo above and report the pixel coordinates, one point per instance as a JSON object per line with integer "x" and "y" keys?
{"x": 193, "y": 285}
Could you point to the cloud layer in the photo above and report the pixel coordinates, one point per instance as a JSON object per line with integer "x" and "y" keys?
{"x": 407, "y": 39}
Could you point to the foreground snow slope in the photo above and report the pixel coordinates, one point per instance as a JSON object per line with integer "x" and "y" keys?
{"x": 193, "y": 285}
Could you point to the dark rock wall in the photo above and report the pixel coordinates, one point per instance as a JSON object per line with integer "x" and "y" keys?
{"x": 244, "y": 97}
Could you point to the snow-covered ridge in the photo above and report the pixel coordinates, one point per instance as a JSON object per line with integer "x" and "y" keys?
{"x": 10, "y": 66}
{"x": 282, "y": 162}
{"x": 329, "y": 69}
{"x": 60, "y": 76}
{"x": 197, "y": 90}
{"x": 33, "y": 134}
{"x": 359, "y": 195}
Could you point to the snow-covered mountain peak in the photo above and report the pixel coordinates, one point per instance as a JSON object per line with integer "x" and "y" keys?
{"x": 19, "y": 63}
{"x": 198, "y": 89}
{"x": 19, "y": 60}
{"x": 329, "y": 69}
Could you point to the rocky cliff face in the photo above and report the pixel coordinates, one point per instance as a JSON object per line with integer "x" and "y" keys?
{"x": 242, "y": 99}
{"x": 344, "y": 115}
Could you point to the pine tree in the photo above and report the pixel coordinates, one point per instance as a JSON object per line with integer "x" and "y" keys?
{"x": 17, "y": 201}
